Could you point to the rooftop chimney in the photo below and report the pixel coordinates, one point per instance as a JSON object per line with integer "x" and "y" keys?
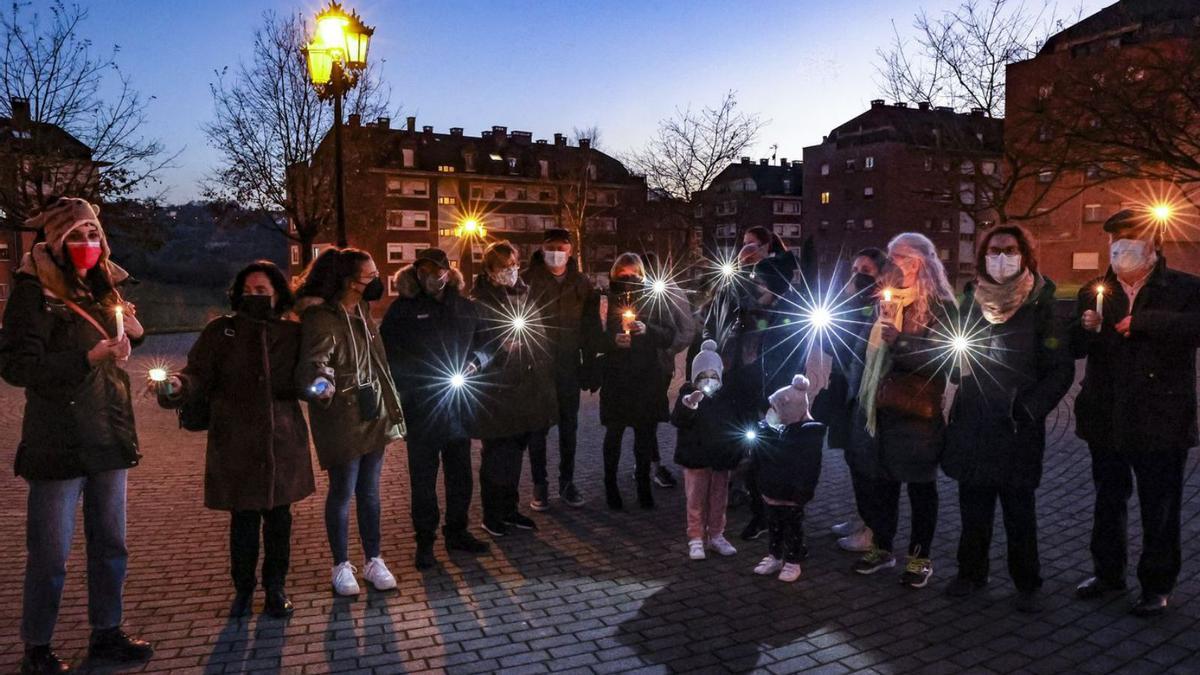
{"x": 943, "y": 108}
{"x": 745, "y": 160}
{"x": 427, "y": 129}
{"x": 499, "y": 130}
{"x": 764, "y": 162}
{"x": 585, "y": 143}
{"x": 383, "y": 122}
{"x": 797, "y": 163}
{"x": 20, "y": 111}
{"x": 978, "y": 112}
{"x": 901, "y": 104}
{"x": 456, "y": 131}
{"x": 354, "y": 120}
{"x": 560, "y": 140}
{"x": 412, "y": 123}
{"x": 783, "y": 161}
{"x": 876, "y": 103}
{"x": 923, "y": 105}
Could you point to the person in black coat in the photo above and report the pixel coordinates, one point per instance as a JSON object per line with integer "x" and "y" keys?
{"x": 708, "y": 448}
{"x": 1137, "y": 406}
{"x": 636, "y": 373}
{"x": 435, "y": 345}
{"x": 1016, "y": 369}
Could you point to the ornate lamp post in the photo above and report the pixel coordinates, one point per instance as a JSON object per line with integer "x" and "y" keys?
{"x": 337, "y": 57}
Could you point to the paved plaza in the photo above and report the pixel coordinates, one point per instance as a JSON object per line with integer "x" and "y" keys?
{"x": 592, "y": 590}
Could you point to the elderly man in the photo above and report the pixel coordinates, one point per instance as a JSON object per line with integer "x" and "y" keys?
{"x": 1137, "y": 410}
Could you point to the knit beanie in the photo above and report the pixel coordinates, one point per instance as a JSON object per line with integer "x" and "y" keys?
{"x": 63, "y": 216}
{"x": 707, "y": 360}
{"x": 791, "y": 402}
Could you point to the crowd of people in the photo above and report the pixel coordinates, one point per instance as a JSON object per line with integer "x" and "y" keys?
{"x": 506, "y": 364}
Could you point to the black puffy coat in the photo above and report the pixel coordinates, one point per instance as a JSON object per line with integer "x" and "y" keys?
{"x": 634, "y": 380}
{"x": 709, "y": 436}
{"x": 571, "y": 312}
{"x": 1019, "y": 372}
{"x": 1139, "y": 393}
{"x": 788, "y": 462}
{"x": 516, "y": 389}
{"x": 78, "y": 419}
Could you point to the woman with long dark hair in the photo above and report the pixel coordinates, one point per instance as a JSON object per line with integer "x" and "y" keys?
{"x": 353, "y": 410}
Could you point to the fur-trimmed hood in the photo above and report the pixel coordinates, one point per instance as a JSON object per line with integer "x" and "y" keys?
{"x": 408, "y": 286}
{"x": 39, "y": 264}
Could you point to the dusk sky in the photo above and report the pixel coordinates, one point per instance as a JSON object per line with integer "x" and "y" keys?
{"x": 542, "y": 67}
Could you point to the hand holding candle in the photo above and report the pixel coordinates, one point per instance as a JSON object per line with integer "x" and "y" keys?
{"x": 628, "y": 317}
{"x": 888, "y": 307}
{"x": 119, "y": 314}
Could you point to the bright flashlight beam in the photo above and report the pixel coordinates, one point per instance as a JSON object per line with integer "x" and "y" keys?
{"x": 458, "y": 380}
{"x": 158, "y": 374}
{"x": 1161, "y": 212}
{"x": 751, "y": 434}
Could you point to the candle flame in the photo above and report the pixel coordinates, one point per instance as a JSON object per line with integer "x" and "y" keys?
{"x": 887, "y": 295}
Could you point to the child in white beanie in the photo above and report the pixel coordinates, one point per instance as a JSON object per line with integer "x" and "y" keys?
{"x": 707, "y": 451}
{"x": 787, "y": 457}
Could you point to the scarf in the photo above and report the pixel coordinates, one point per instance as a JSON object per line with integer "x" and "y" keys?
{"x": 879, "y": 359}
{"x": 999, "y": 301}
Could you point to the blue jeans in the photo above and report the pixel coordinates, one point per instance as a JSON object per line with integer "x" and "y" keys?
{"x": 358, "y": 478}
{"x": 49, "y": 526}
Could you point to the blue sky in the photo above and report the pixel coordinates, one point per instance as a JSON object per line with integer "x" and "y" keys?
{"x": 805, "y": 65}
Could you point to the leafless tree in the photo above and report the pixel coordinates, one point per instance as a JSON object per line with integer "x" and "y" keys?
{"x": 68, "y": 85}
{"x": 267, "y": 124}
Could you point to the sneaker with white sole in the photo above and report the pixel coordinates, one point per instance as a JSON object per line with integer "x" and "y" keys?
{"x": 874, "y": 560}
{"x": 344, "y": 582}
{"x": 859, "y": 542}
{"x": 768, "y": 566}
{"x": 696, "y": 549}
{"x": 790, "y": 572}
{"x": 721, "y": 545}
{"x": 378, "y": 575}
{"x": 852, "y": 526}
{"x": 917, "y": 572}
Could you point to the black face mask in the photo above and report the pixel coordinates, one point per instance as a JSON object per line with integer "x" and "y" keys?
{"x": 627, "y": 285}
{"x": 373, "y": 291}
{"x": 259, "y": 307}
{"x": 862, "y": 282}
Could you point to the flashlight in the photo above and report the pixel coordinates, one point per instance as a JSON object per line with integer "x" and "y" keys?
{"x": 161, "y": 378}
{"x": 458, "y": 381}
{"x": 319, "y": 387}
{"x": 751, "y": 434}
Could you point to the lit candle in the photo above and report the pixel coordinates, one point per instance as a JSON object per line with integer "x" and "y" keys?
{"x": 1100, "y": 301}
{"x": 887, "y": 308}
{"x": 627, "y": 318}
{"x": 887, "y": 295}
{"x": 119, "y": 312}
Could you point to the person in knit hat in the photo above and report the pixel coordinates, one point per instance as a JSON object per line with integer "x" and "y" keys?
{"x": 66, "y": 332}
{"x": 708, "y": 449}
{"x": 787, "y": 458}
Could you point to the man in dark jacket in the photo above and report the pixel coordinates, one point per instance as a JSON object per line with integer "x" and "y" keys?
{"x": 1139, "y": 329}
{"x": 433, "y": 338}
{"x": 570, "y": 305}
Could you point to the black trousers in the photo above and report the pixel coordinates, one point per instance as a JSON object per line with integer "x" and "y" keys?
{"x": 883, "y": 514}
{"x": 977, "y": 506}
{"x": 858, "y": 483}
{"x": 1159, "y": 475}
{"x": 500, "y": 475}
{"x": 785, "y": 531}
{"x": 567, "y": 389}
{"x": 424, "y": 459}
{"x": 275, "y": 526}
{"x": 643, "y": 452}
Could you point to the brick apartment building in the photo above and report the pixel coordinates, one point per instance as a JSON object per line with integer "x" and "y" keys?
{"x": 898, "y": 168}
{"x": 409, "y": 188}
{"x": 749, "y": 194}
{"x": 1068, "y": 200}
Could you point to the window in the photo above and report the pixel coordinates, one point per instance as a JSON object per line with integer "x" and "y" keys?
{"x": 295, "y": 255}
{"x": 988, "y": 167}
{"x": 445, "y": 168}
{"x": 398, "y": 219}
{"x": 1045, "y": 91}
{"x": 824, "y": 225}
{"x": 824, "y": 169}
{"x": 1085, "y": 261}
{"x": 726, "y": 231}
{"x": 824, "y": 197}
{"x": 398, "y": 187}
{"x": 476, "y": 192}
{"x": 849, "y": 223}
{"x": 1092, "y": 171}
{"x": 787, "y": 185}
{"x": 605, "y": 224}
{"x": 317, "y": 249}
{"x": 929, "y": 164}
{"x": 402, "y": 254}
{"x": 945, "y": 224}
{"x": 499, "y": 193}
{"x": 544, "y": 168}
{"x": 591, "y": 171}
{"x": 851, "y": 164}
{"x": 1045, "y": 133}
{"x": 929, "y": 223}
{"x": 787, "y": 230}
{"x": 447, "y": 200}
{"x": 868, "y": 223}
{"x": 966, "y": 192}
{"x": 469, "y": 161}
{"x": 699, "y": 212}
{"x": 606, "y": 253}
{"x": 1093, "y": 213}
{"x": 869, "y": 162}
{"x": 1045, "y": 176}
{"x": 546, "y": 195}
{"x": 944, "y": 254}
{"x": 512, "y": 164}
{"x": 784, "y": 206}
{"x": 868, "y": 192}
{"x": 408, "y": 155}
{"x": 549, "y": 222}
{"x": 522, "y": 195}
{"x": 967, "y": 168}
{"x": 726, "y": 208}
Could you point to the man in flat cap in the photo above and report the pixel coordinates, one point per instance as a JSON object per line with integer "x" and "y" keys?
{"x": 1139, "y": 329}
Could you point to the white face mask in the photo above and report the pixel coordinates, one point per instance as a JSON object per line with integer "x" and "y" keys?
{"x": 1003, "y": 267}
{"x": 1128, "y": 255}
{"x": 506, "y": 276}
{"x": 555, "y": 258}
{"x": 709, "y": 385}
{"x": 772, "y": 419}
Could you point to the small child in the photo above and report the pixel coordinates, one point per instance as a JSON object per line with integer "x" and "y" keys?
{"x": 787, "y": 457}
{"x": 705, "y": 450}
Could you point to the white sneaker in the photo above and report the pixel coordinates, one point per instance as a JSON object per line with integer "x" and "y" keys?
{"x": 852, "y": 526}
{"x": 860, "y": 542}
{"x": 344, "y": 582}
{"x": 768, "y": 565}
{"x": 378, "y": 574}
{"x": 721, "y": 545}
{"x": 696, "y": 549}
{"x": 790, "y": 573}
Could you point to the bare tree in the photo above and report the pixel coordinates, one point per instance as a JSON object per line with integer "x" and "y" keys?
{"x": 61, "y": 82}
{"x": 268, "y": 122}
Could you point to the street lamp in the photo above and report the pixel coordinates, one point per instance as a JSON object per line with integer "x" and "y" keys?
{"x": 337, "y": 57}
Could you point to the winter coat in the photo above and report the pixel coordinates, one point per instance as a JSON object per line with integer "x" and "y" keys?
{"x": 762, "y": 353}
{"x": 570, "y": 310}
{"x": 788, "y": 462}
{"x": 1139, "y": 393}
{"x": 78, "y": 419}
{"x": 709, "y": 437}
{"x": 834, "y": 405}
{"x": 427, "y": 342}
{"x": 516, "y": 390}
{"x": 1019, "y": 371}
{"x": 905, "y": 449}
{"x": 258, "y": 456}
{"x": 339, "y": 432}
{"x": 635, "y": 379}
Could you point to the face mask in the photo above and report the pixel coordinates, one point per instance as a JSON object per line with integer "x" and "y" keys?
{"x": 709, "y": 385}
{"x": 862, "y": 282}
{"x": 433, "y": 284}
{"x": 84, "y": 254}
{"x": 772, "y": 419}
{"x": 506, "y": 277}
{"x": 1003, "y": 267}
{"x": 373, "y": 291}
{"x": 555, "y": 258}
{"x": 1128, "y": 255}
{"x": 257, "y": 307}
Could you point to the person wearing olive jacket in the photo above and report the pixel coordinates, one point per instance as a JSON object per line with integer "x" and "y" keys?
{"x": 63, "y": 344}
{"x": 258, "y": 462}
{"x": 353, "y": 410}
{"x": 516, "y": 390}
{"x": 1017, "y": 369}
{"x": 1137, "y": 406}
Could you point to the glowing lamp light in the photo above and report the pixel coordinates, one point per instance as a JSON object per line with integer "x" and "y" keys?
{"x": 1161, "y": 212}
{"x": 331, "y": 28}
{"x": 470, "y": 227}
{"x": 320, "y": 63}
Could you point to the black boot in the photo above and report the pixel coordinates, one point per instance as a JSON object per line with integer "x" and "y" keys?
{"x": 40, "y": 660}
{"x": 466, "y": 542}
{"x": 613, "y": 496}
{"x": 116, "y": 645}
{"x": 278, "y": 605}
{"x": 425, "y": 559}
{"x": 243, "y": 604}
{"x": 645, "y": 494}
